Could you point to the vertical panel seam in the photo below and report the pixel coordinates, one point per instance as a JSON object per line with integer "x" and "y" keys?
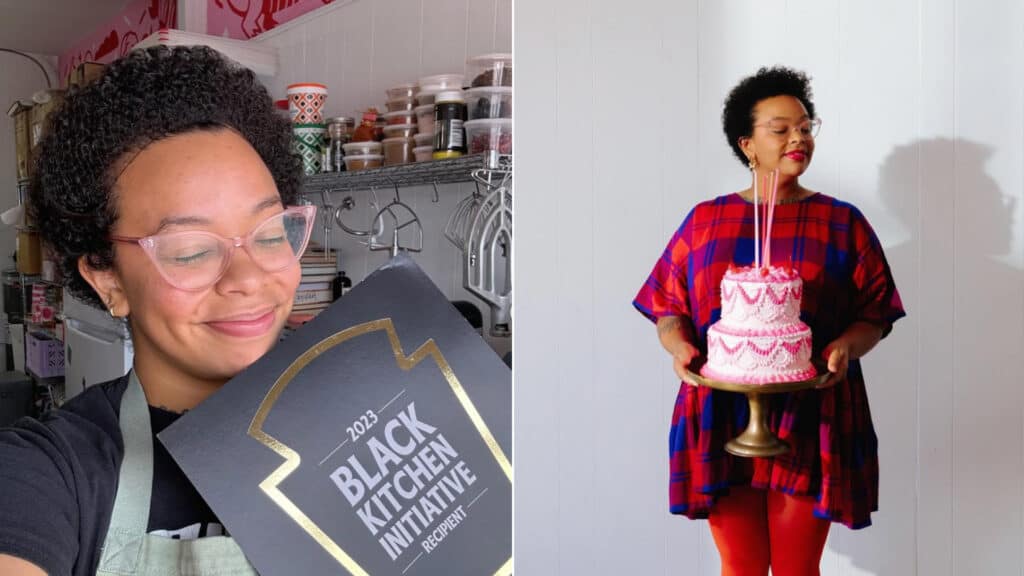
{"x": 953, "y": 367}
{"x": 419, "y": 71}
{"x": 920, "y": 249}
{"x": 494, "y": 29}
{"x": 465, "y": 51}
{"x": 700, "y": 77}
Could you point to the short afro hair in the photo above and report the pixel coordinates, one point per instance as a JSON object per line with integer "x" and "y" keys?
{"x": 149, "y": 95}
{"x": 738, "y": 112}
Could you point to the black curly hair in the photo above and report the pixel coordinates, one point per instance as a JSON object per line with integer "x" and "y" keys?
{"x": 147, "y": 96}
{"x": 738, "y": 112}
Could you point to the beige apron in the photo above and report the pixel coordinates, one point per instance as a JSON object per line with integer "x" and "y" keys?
{"x": 128, "y": 550}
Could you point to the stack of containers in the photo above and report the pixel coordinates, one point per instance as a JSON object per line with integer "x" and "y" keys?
{"x": 440, "y": 113}
{"x": 489, "y": 100}
{"x": 305, "y": 105}
{"x": 363, "y": 155}
{"x": 400, "y": 125}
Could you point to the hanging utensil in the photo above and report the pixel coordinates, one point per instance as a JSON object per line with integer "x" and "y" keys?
{"x": 393, "y": 209}
{"x": 490, "y": 240}
{"x": 348, "y": 204}
{"x": 328, "y": 217}
{"x": 457, "y": 228}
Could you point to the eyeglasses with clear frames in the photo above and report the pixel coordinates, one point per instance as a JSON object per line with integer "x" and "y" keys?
{"x": 194, "y": 260}
{"x": 808, "y": 128}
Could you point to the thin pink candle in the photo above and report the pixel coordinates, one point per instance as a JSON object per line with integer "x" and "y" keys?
{"x": 757, "y": 230}
{"x": 770, "y": 220}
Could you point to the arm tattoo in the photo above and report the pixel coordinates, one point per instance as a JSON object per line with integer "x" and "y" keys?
{"x": 669, "y": 325}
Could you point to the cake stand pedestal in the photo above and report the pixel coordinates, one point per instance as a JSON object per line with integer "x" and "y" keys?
{"x": 757, "y": 440}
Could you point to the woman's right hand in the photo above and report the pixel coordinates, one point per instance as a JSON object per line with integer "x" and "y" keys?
{"x": 675, "y": 335}
{"x": 681, "y": 360}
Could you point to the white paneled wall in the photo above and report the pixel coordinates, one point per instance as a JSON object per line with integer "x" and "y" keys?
{"x": 359, "y": 48}
{"x": 618, "y": 135}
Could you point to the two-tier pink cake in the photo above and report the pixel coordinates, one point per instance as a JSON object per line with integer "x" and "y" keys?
{"x": 760, "y": 338}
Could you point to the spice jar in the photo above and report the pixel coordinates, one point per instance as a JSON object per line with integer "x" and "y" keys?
{"x": 449, "y": 114}
{"x": 339, "y": 133}
{"x": 368, "y": 128}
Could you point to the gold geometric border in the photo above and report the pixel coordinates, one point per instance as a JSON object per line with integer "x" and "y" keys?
{"x": 293, "y": 459}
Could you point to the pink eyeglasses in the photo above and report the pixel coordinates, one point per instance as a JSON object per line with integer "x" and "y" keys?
{"x": 194, "y": 260}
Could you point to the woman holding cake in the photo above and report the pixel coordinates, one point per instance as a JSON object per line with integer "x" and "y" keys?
{"x": 775, "y": 511}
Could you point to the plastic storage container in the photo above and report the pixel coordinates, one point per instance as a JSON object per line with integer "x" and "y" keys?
{"x": 426, "y": 98}
{"x": 399, "y": 131}
{"x": 44, "y": 356}
{"x": 490, "y": 70}
{"x": 423, "y": 153}
{"x": 407, "y": 90}
{"x": 440, "y": 83}
{"x": 397, "y": 104}
{"x": 362, "y": 148}
{"x": 398, "y": 151}
{"x": 489, "y": 102}
{"x": 485, "y": 135}
{"x": 425, "y": 118}
{"x": 400, "y": 117}
{"x": 424, "y": 139}
{"x": 362, "y": 162}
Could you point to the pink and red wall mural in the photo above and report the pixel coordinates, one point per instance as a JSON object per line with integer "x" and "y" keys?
{"x": 244, "y": 19}
{"x": 117, "y": 37}
{"x": 239, "y": 19}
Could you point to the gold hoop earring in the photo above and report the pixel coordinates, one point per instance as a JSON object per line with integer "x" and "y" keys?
{"x": 752, "y": 164}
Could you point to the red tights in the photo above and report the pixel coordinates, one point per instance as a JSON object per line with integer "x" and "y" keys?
{"x": 754, "y": 529}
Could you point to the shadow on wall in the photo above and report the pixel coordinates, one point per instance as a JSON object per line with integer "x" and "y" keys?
{"x": 985, "y": 428}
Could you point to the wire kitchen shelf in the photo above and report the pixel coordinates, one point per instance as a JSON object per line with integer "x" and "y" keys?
{"x": 434, "y": 172}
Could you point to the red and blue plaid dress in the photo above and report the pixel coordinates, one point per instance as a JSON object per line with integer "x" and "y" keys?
{"x": 834, "y": 450}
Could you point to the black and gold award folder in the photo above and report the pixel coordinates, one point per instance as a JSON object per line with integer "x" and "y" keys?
{"x": 375, "y": 440}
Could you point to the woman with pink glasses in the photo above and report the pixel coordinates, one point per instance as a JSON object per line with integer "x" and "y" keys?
{"x": 164, "y": 188}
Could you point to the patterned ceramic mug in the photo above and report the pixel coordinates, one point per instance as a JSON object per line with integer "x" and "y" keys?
{"x": 306, "y": 102}
{"x": 308, "y": 140}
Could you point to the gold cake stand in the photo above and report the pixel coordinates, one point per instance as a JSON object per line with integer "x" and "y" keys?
{"x": 757, "y": 440}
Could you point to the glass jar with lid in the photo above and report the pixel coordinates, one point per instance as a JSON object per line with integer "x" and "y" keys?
{"x": 339, "y": 133}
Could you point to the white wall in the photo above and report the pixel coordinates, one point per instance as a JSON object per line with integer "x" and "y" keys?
{"x": 359, "y": 48}
{"x": 923, "y": 130}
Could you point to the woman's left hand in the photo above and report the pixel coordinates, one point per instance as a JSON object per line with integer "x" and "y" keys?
{"x": 837, "y": 355}
{"x": 855, "y": 342}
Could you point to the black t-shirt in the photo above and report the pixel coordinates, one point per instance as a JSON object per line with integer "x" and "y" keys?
{"x": 58, "y": 479}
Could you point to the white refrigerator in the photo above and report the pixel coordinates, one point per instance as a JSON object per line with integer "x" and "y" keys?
{"x": 97, "y": 348}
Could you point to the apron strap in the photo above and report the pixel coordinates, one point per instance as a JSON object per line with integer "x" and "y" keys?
{"x": 130, "y": 517}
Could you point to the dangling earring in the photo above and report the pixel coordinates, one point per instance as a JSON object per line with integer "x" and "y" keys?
{"x": 752, "y": 164}
{"x": 110, "y": 308}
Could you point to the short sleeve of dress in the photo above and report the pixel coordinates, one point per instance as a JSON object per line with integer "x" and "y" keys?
{"x": 876, "y": 300}
{"x": 665, "y": 292}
